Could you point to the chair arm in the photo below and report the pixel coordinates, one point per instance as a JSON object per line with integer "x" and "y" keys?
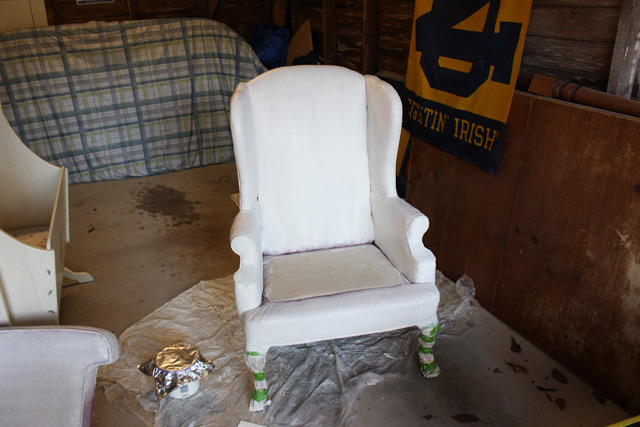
{"x": 246, "y": 241}
{"x": 398, "y": 230}
{"x": 52, "y": 372}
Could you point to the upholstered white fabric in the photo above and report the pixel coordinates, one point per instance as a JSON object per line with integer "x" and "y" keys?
{"x": 326, "y": 272}
{"x": 246, "y": 242}
{"x": 341, "y": 315}
{"x": 312, "y": 168}
{"x": 315, "y": 150}
{"x": 384, "y": 111}
{"x": 399, "y": 228}
{"x": 49, "y": 374}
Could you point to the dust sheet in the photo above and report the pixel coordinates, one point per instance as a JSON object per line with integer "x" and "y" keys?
{"x": 313, "y": 384}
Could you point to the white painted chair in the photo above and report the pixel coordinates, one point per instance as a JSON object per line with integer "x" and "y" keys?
{"x": 34, "y": 230}
{"x": 49, "y": 374}
{"x": 327, "y": 249}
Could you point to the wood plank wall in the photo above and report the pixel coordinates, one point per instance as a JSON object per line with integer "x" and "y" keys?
{"x": 552, "y": 241}
{"x": 571, "y": 40}
{"x": 240, "y": 15}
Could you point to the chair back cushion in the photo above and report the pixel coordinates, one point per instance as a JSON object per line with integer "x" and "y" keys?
{"x": 305, "y": 157}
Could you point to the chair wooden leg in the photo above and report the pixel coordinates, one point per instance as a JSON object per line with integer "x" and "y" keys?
{"x": 256, "y": 360}
{"x": 427, "y": 339}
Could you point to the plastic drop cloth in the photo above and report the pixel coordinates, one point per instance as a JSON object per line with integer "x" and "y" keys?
{"x": 313, "y": 384}
{"x": 458, "y": 307}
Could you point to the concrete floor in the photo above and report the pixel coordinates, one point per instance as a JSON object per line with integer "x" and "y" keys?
{"x": 146, "y": 240}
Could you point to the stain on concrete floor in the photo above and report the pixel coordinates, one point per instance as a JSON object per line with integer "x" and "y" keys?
{"x": 167, "y": 202}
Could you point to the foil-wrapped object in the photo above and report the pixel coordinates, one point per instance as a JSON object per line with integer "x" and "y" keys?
{"x": 174, "y": 366}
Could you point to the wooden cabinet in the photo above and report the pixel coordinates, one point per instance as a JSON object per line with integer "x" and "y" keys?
{"x": 69, "y": 11}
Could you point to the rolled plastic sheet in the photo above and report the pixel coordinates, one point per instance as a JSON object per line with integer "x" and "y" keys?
{"x": 174, "y": 366}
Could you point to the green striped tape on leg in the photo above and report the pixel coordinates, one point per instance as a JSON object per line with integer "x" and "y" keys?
{"x": 426, "y": 350}
{"x": 430, "y": 331}
{"x": 427, "y": 339}
{"x": 259, "y": 395}
{"x": 428, "y": 368}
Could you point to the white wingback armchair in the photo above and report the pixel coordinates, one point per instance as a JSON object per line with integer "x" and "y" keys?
{"x": 327, "y": 249}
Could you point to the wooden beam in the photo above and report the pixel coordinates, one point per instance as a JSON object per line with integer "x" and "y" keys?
{"x": 548, "y": 86}
{"x": 371, "y": 30}
{"x": 53, "y": 12}
{"x": 280, "y": 10}
{"x": 211, "y": 8}
{"x": 624, "y": 64}
{"x": 297, "y": 16}
{"x": 329, "y": 37}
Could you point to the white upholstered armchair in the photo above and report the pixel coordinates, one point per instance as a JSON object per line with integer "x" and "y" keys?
{"x": 49, "y": 374}
{"x": 327, "y": 249}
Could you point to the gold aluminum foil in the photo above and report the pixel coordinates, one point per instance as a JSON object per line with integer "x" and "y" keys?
{"x": 177, "y": 357}
{"x": 176, "y": 365}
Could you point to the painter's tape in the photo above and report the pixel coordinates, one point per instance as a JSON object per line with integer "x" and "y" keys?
{"x": 427, "y": 339}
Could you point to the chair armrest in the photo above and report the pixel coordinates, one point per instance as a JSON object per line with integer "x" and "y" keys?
{"x": 246, "y": 241}
{"x": 52, "y": 372}
{"x": 398, "y": 230}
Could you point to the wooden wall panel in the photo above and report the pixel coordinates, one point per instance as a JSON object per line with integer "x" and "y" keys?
{"x": 590, "y": 24}
{"x": 370, "y": 29}
{"x": 571, "y": 40}
{"x": 553, "y": 240}
{"x": 312, "y": 10}
{"x": 576, "y": 61}
{"x": 349, "y": 33}
{"x": 468, "y": 208}
{"x": 567, "y": 39}
{"x": 242, "y": 16}
{"x": 396, "y": 21}
{"x": 170, "y": 9}
{"x": 570, "y": 275}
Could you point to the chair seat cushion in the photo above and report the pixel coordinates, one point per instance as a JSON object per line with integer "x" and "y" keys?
{"x": 326, "y": 272}
{"x": 342, "y": 315}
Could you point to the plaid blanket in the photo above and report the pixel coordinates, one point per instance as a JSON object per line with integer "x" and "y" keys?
{"x": 111, "y": 100}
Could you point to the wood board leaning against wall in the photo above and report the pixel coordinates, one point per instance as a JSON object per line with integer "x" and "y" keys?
{"x": 553, "y": 240}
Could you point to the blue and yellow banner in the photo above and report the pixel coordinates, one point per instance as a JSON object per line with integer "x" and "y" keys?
{"x": 463, "y": 66}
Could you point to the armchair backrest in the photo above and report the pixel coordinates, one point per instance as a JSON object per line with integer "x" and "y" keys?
{"x": 300, "y": 138}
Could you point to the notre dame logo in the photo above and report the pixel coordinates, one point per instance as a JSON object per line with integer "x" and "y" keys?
{"x": 437, "y": 37}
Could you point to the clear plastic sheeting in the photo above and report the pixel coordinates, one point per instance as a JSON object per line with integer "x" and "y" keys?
{"x": 458, "y": 307}
{"x": 314, "y": 384}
